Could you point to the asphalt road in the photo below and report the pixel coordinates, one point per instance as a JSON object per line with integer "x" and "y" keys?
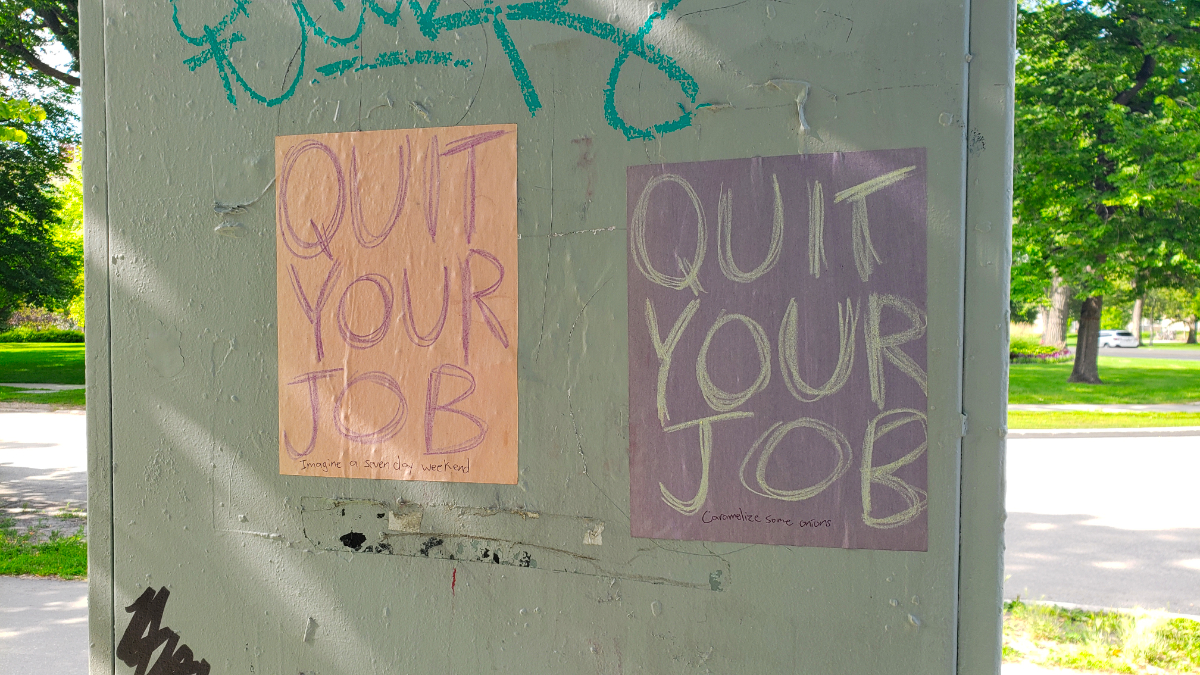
{"x": 1144, "y": 352}
{"x": 1108, "y": 522}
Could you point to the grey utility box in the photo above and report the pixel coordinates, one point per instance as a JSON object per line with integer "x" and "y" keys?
{"x": 561, "y": 336}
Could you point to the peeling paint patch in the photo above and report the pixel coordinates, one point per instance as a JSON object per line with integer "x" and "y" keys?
{"x": 163, "y": 351}
{"x": 594, "y": 535}
{"x": 430, "y": 544}
{"x": 499, "y": 536}
{"x": 230, "y": 229}
{"x": 221, "y": 208}
{"x": 408, "y": 520}
{"x": 977, "y": 144}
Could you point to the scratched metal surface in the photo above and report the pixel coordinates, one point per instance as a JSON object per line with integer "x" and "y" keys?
{"x": 182, "y": 105}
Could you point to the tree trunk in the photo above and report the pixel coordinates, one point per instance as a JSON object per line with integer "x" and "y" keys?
{"x": 1195, "y": 323}
{"x": 1087, "y": 343}
{"x": 1055, "y": 332}
{"x": 1137, "y": 320}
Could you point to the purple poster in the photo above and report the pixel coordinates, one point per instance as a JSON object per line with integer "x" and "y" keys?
{"x": 777, "y": 358}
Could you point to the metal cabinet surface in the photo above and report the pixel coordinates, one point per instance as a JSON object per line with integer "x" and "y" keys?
{"x": 183, "y": 102}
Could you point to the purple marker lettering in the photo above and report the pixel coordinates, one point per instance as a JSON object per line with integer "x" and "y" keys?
{"x": 314, "y": 402}
{"x": 313, "y": 313}
{"x": 366, "y": 238}
{"x": 470, "y": 295}
{"x": 383, "y": 433}
{"x": 298, "y": 246}
{"x": 468, "y": 145}
{"x": 433, "y": 407}
{"x": 410, "y": 321}
{"x": 365, "y": 340}
{"x": 433, "y": 188}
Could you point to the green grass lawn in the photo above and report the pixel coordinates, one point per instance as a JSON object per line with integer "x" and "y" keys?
{"x": 1071, "y": 419}
{"x": 71, "y": 397}
{"x": 63, "y": 557}
{"x": 1125, "y": 381}
{"x": 44, "y": 363}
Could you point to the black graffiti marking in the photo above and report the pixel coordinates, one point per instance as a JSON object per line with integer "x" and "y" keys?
{"x": 353, "y": 540}
{"x": 145, "y": 634}
{"x": 430, "y": 543}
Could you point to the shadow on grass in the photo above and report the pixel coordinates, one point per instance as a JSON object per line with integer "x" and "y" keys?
{"x": 43, "y": 363}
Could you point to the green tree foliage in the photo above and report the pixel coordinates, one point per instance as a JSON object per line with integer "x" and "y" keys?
{"x": 39, "y": 264}
{"x": 1192, "y": 312}
{"x": 40, "y": 231}
{"x": 1027, "y": 291}
{"x": 27, "y": 29}
{"x": 1115, "y": 316}
{"x": 18, "y": 110}
{"x": 1173, "y": 304}
{"x": 69, "y": 231}
{"x": 1107, "y": 150}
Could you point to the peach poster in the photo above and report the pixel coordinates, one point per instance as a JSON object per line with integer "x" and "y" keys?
{"x": 397, "y": 301}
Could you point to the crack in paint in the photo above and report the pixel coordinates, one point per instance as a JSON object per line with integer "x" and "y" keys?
{"x": 571, "y": 409}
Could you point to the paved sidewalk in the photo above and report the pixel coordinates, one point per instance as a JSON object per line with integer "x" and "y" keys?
{"x": 1130, "y": 432}
{"x": 43, "y": 627}
{"x": 1109, "y": 407}
{"x": 40, "y": 388}
{"x": 43, "y": 469}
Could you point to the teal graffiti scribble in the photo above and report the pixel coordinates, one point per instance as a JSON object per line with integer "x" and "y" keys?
{"x": 337, "y": 67}
{"x": 217, "y": 52}
{"x": 421, "y": 57}
{"x": 216, "y": 49}
{"x": 613, "y": 116}
{"x": 532, "y": 102}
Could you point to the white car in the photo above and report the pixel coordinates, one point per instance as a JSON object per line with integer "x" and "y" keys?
{"x": 1117, "y": 338}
